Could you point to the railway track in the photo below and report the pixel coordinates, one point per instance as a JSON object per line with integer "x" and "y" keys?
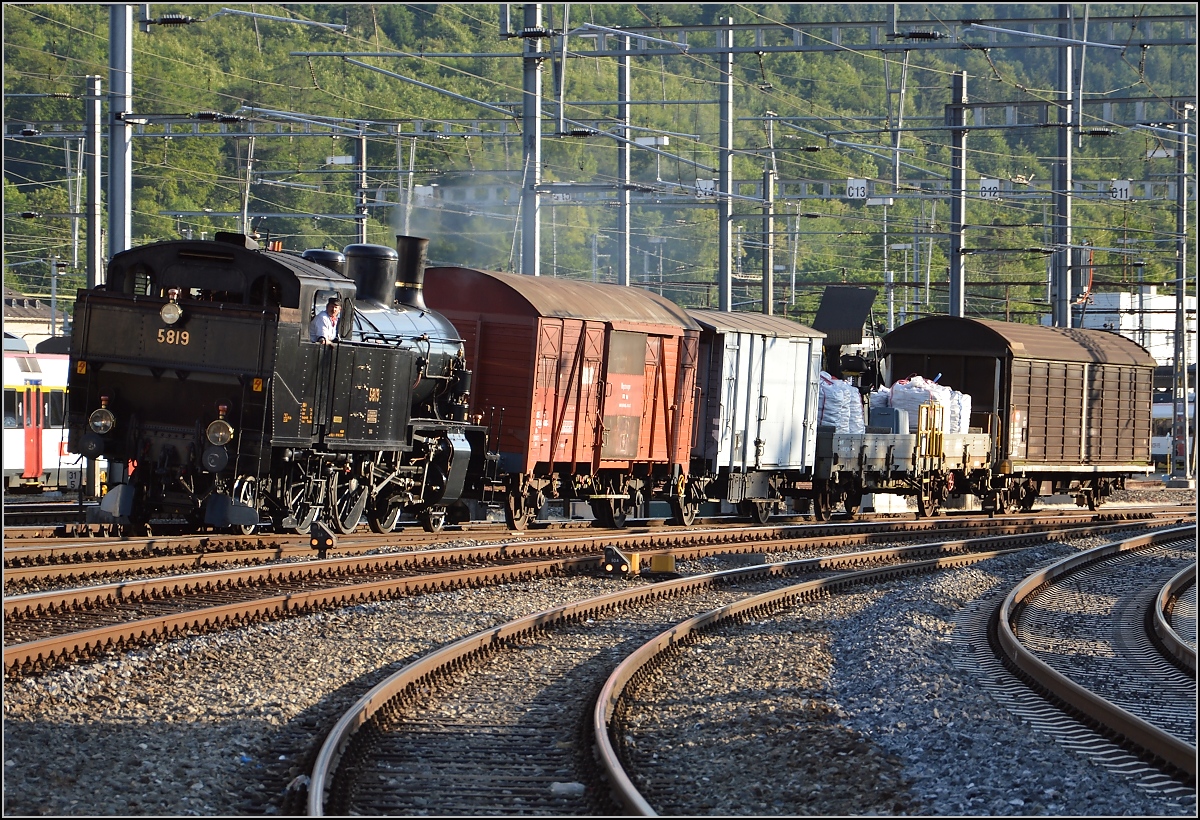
{"x": 49, "y": 628}
{"x": 460, "y": 701}
{"x": 36, "y": 562}
{"x": 524, "y": 746}
{"x": 244, "y": 722}
{"x": 1082, "y": 632}
{"x": 1175, "y": 618}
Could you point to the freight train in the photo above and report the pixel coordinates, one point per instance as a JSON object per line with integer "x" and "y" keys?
{"x": 451, "y": 391}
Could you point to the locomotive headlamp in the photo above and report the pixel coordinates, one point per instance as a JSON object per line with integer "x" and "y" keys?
{"x": 220, "y": 432}
{"x": 171, "y": 312}
{"x": 102, "y": 420}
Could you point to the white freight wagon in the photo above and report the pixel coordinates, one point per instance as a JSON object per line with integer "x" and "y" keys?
{"x": 756, "y": 426}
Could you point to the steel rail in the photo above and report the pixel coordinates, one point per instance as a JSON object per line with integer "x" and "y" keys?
{"x": 421, "y": 674}
{"x": 1136, "y": 731}
{"x": 1178, "y": 648}
{"x": 47, "y": 651}
{"x": 331, "y": 575}
{"x": 91, "y": 559}
{"x": 614, "y": 689}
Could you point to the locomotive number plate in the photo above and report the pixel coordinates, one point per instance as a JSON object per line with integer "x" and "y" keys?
{"x": 173, "y": 337}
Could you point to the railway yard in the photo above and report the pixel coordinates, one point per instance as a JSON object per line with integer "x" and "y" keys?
{"x": 796, "y": 668}
{"x": 649, "y": 442}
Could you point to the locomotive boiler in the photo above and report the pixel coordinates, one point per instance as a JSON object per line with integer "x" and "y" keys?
{"x": 193, "y": 373}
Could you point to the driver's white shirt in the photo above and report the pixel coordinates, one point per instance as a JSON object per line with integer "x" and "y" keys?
{"x": 322, "y": 325}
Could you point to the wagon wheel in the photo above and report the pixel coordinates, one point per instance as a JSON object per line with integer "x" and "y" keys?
{"x": 757, "y": 511}
{"x": 347, "y": 500}
{"x": 610, "y": 512}
{"x": 620, "y": 512}
{"x": 822, "y": 502}
{"x": 928, "y": 503}
{"x": 516, "y": 515}
{"x": 245, "y": 491}
{"x": 432, "y": 519}
{"x": 383, "y": 515}
{"x": 1029, "y": 495}
{"x": 852, "y": 502}
{"x": 683, "y": 512}
{"x": 602, "y": 511}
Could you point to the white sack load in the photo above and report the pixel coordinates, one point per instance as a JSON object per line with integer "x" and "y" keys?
{"x": 909, "y": 394}
{"x": 958, "y": 416}
{"x": 839, "y": 405}
{"x": 879, "y": 399}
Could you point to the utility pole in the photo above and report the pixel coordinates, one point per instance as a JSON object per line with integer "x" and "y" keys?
{"x": 92, "y": 159}
{"x": 768, "y": 240}
{"x": 531, "y": 138}
{"x": 412, "y": 159}
{"x": 246, "y": 190}
{"x": 624, "y": 86}
{"x": 54, "y": 296}
{"x": 1181, "y": 444}
{"x": 725, "y": 186}
{"x": 957, "y": 113}
{"x": 360, "y": 195}
{"x": 1062, "y": 179}
{"x": 120, "y": 134}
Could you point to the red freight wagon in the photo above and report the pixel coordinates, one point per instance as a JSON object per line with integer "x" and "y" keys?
{"x": 589, "y": 389}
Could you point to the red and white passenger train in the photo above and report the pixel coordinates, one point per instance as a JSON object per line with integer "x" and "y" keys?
{"x": 36, "y": 457}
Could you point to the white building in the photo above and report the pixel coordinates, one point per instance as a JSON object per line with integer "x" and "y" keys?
{"x": 1145, "y": 317}
{"x": 29, "y": 318}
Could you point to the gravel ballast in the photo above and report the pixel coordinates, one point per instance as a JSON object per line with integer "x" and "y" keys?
{"x": 223, "y": 724}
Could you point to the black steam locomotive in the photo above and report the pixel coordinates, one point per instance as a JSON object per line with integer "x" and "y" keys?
{"x": 194, "y": 374}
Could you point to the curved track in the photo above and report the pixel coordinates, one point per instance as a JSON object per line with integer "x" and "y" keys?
{"x": 447, "y": 703}
{"x": 1080, "y": 631}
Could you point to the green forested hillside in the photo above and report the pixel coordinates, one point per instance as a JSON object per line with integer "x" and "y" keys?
{"x": 467, "y": 184}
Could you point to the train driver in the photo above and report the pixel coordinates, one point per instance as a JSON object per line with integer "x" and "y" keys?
{"x": 323, "y": 328}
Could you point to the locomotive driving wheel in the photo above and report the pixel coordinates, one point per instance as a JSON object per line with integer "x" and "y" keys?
{"x": 297, "y": 503}
{"x": 383, "y": 515}
{"x": 347, "y": 500}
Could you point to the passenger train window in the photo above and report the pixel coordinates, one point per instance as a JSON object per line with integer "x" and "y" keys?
{"x": 14, "y": 409}
{"x": 55, "y": 410}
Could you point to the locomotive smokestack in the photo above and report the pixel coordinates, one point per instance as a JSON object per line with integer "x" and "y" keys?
{"x": 410, "y": 284}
